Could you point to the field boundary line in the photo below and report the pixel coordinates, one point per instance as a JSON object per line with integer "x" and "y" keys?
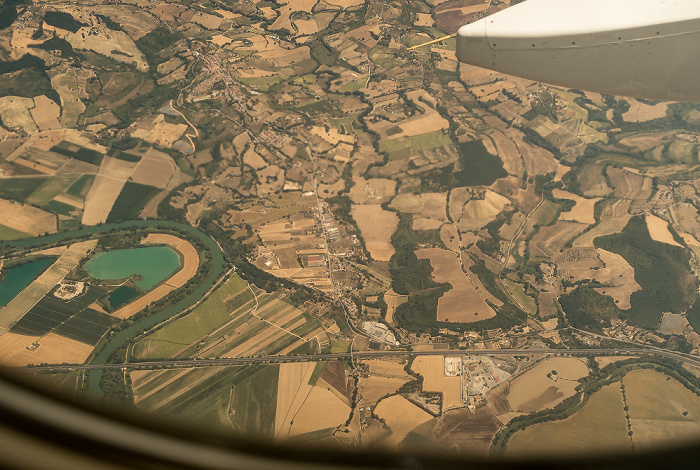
{"x": 266, "y": 321}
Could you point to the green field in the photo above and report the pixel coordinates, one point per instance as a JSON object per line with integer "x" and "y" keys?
{"x": 51, "y": 188}
{"x": 478, "y": 166}
{"x": 20, "y": 188}
{"x": 518, "y": 292}
{"x": 353, "y": 86}
{"x": 416, "y": 143}
{"x": 59, "y": 207}
{"x": 209, "y": 316}
{"x": 263, "y": 83}
{"x": 81, "y": 186}
{"x": 68, "y": 382}
{"x": 203, "y": 395}
{"x": 254, "y": 403}
{"x": 7, "y": 233}
{"x": 131, "y": 201}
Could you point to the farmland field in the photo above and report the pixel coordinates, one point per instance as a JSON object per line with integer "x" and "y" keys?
{"x": 51, "y": 188}
{"x": 376, "y": 226}
{"x": 401, "y": 416}
{"x": 29, "y": 297}
{"x": 19, "y": 188}
{"x": 72, "y": 319}
{"x": 599, "y": 426}
{"x": 17, "y": 350}
{"x": 534, "y": 390}
{"x": 662, "y": 411}
{"x": 208, "y": 395}
{"x": 432, "y": 368}
{"x": 7, "y": 233}
{"x": 131, "y": 201}
{"x": 209, "y": 316}
{"x": 462, "y": 303}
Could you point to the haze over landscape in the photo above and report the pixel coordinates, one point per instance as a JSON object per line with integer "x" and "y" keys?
{"x": 273, "y": 218}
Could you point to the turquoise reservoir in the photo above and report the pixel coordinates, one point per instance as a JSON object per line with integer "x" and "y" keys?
{"x": 18, "y": 278}
{"x": 153, "y": 264}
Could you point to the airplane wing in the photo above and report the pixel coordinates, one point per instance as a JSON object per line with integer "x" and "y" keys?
{"x": 641, "y": 48}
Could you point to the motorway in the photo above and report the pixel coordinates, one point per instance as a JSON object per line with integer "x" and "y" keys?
{"x": 236, "y": 361}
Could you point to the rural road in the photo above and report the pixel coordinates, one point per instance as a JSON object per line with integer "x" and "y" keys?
{"x": 175, "y": 363}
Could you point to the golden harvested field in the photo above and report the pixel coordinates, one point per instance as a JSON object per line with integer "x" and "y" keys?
{"x": 429, "y": 121}
{"x": 462, "y": 303}
{"x": 432, "y": 368}
{"x": 322, "y": 409}
{"x": 538, "y": 161}
{"x": 458, "y": 198}
{"x": 46, "y": 113}
{"x": 26, "y": 218}
{"x": 656, "y": 406}
{"x": 658, "y": 230}
{"x": 53, "y": 349}
{"x": 292, "y": 391}
{"x": 100, "y": 199}
{"x": 605, "y": 227}
{"x": 477, "y": 213}
{"x": 306, "y": 27}
{"x": 161, "y": 133}
{"x": 620, "y": 275}
{"x": 450, "y": 237}
{"x": 641, "y": 112}
{"x": 686, "y": 217}
{"x": 616, "y": 274}
{"x": 509, "y": 154}
{"x": 376, "y": 226}
{"x": 421, "y": 223}
{"x": 373, "y": 388}
{"x": 599, "y": 426}
{"x": 401, "y": 416}
{"x": 105, "y": 189}
{"x": 424, "y": 19}
{"x": 430, "y": 205}
{"x": 373, "y": 190}
{"x": 14, "y": 112}
{"x": 393, "y": 300}
{"x": 283, "y": 20}
{"x": 534, "y": 391}
{"x": 582, "y": 211}
{"x": 467, "y": 262}
{"x": 41, "y": 286}
{"x": 387, "y": 368}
